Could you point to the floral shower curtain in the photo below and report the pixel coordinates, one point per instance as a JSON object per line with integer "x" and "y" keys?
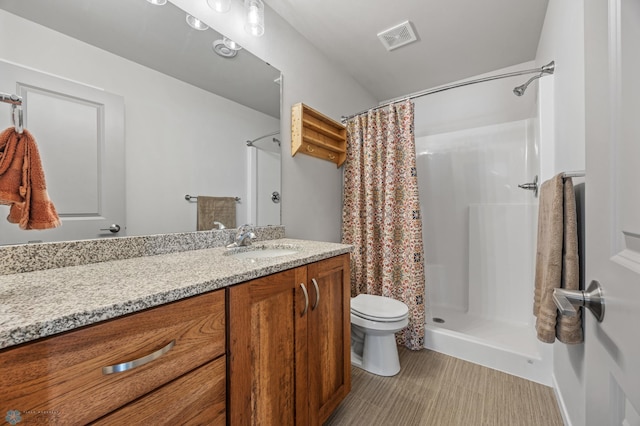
{"x": 381, "y": 213}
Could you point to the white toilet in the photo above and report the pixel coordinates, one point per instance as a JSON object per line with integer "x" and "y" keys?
{"x": 374, "y": 322}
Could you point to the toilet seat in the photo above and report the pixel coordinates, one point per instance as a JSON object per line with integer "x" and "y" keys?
{"x": 378, "y": 308}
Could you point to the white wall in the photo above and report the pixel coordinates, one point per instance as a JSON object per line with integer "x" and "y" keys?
{"x": 476, "y": 105}
{"x": 563, "y": 149}
{"x": 173, "y": 148}
{"x": 562, "y": 40}
{"x": 311, "y": 188}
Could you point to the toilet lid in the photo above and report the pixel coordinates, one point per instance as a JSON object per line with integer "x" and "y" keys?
{"x": 378, "y": 307}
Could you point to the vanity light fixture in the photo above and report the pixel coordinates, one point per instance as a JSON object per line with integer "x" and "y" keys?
{"x": 158, "y": 2}
{"x": 220, "y": 6}
{"x": 196, "y": 24}
{"x": 254, "y": 10}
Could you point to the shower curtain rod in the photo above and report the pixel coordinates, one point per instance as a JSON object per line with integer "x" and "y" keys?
{"x": 546, "y": 69}
{"x": 250, "y": 143}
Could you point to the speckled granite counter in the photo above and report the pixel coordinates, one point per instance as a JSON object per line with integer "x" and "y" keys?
{"x": 42, "y": 303}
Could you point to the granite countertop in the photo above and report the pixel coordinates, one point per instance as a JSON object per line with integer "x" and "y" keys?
{"x": 42, "y": 303}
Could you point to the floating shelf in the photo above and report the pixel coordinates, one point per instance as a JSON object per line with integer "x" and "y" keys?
{"x": 315, "y": 134}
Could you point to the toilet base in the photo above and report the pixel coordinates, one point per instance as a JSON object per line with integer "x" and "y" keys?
{"x": 379, "y": 355}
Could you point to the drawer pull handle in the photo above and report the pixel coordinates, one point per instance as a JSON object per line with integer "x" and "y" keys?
{"x": 306, "y": 300}
{"x": 119, "y": 368}
{"x": 315, "y": 284}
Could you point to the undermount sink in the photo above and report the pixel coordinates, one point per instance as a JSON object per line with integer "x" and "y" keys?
{"x": 261, "y": 252}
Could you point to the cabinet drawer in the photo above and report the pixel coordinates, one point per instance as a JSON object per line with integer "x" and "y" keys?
{"x": 61, "y": 378}
{"x": 197, "y": 398}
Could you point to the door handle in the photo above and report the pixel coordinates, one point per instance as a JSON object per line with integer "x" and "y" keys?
{"x": 115, "y": 228}
{"x": 568, "y": 301}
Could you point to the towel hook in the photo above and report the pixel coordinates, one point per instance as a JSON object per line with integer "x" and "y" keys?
{"x": 17, "y": 118}
{"x": 16, "y": 110}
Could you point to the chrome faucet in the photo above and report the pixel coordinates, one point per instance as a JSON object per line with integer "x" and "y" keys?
{"x": 220, "y": 225}
{"x": 243, "y": 237}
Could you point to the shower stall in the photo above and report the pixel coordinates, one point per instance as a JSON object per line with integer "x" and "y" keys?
{"x": 263, "y": 180}
{"x": 474, "y": 145}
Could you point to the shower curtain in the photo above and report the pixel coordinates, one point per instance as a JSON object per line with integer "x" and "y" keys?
{"x": 381, "y": 213}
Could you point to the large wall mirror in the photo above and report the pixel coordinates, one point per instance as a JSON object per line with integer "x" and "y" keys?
{"x": 132, "y": 110}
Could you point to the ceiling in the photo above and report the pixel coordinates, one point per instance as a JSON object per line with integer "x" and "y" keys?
{"x": 457, "y": 39}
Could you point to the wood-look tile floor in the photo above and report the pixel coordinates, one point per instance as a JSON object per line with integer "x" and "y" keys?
{"x": 436, "y": 389}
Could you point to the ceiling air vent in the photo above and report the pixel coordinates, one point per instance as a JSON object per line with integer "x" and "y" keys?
{"x": 398, "y": 36}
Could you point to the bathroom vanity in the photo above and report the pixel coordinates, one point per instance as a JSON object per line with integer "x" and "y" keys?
{"x": 190, "y": 337}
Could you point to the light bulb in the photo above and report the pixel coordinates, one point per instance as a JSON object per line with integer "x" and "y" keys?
{"x": 255, "y": 17}
{"x": 220, "y": 6}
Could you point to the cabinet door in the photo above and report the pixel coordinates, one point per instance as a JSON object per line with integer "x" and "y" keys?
{"x": 268, "y": 350}
{"x": 329, "y": 336}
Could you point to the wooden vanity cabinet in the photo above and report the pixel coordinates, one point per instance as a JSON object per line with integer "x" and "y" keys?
{"x": 329, "y": 337}
{"x": 286, "y": 359}
{"x": 62, "y": 379}
{"x": 289, "y": 345}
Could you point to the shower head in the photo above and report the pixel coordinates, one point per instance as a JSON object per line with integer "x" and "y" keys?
{"x": 546, "y": 69}
{"x": 519, "y": 91}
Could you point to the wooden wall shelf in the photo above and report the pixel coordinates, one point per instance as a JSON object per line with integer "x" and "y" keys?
{"x": 315, "y": 134}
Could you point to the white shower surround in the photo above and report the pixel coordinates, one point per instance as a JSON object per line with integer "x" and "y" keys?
{"x": 479, "y": 227}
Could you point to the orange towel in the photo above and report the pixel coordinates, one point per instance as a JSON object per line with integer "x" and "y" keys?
{"x": 22, "y": 183}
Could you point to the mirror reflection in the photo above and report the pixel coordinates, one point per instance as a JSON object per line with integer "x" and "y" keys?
{"x": 132, "y": 110}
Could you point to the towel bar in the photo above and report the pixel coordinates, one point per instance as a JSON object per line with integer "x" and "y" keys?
{"x": 193, "y": 198}
{"x": 533, "y": 186}
{"x": 577, "y": 173}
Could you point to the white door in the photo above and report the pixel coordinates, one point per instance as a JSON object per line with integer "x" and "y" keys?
{"x": 79, "y": 131}
{"x": 612, "y": 67}
{"x": 263, "y": 182}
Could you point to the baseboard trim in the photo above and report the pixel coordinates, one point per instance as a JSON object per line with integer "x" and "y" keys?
{"x": 561, "y": 405}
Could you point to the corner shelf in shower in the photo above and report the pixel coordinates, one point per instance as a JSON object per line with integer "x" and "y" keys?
{"x": 315, "y": 134}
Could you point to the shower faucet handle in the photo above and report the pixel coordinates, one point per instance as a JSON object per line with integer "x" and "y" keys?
{"x": 531, "y": 186}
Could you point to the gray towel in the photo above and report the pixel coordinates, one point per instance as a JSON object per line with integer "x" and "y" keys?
{"x": 556, "y": 260}
{"x": 216, "y": 209}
